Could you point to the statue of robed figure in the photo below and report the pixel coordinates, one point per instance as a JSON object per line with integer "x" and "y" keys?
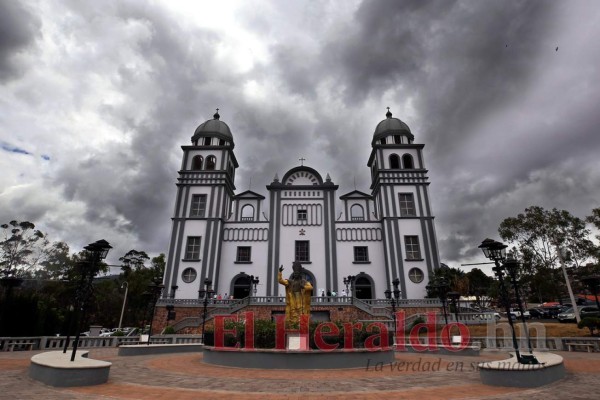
{"x": 298, "y": 292}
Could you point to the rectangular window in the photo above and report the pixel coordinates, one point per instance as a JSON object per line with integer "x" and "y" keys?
{"x": 243, "y": 254}
{"x": 302, "y": 251}
{"x": 407, "y": 205}
{"x": 413, "y": 251}
{"x": 361, "y": 254}
{"x": 192, "y": 249}
{"x": 397, "y": 139}
{"x": 302, "y": 215}
{"x": 207, "y": 141}
{"x": 198, "y": 205}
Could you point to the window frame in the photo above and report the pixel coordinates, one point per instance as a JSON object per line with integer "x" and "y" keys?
{"x": 408, "y": 159}
{"x": 403, "y": 204}
{"x": 394, "y": 160}
{"x": 306, "y": 250}
{"x": 410, "y": 246}
{"x": 360, "y": 217}
{"x": 302, "y": 214}
{"x": 197, "y": 165}
{"x": 420, "y": 271}
{"x": 190, "y": 248}
{"x": 240, "y": 257}
{"x": 365, "y": 256}
{"x": 211, "y": 163}
{"x": 189, "y": 280}
{"x": 194, "y": 211}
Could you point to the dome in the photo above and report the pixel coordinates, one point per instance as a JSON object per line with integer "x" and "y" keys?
{"x": 213, "y": 127}
{"x": 391, "y": 126}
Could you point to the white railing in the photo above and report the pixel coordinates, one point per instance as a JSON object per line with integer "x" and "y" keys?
{"x": 87, "y": 342}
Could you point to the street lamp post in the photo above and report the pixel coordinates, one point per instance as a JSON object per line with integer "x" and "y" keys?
{"x": 155, "y": 289}
{"x": 393, "y": 300}
{"x": 349, "y": 281}
{"x": 441, "y": 288}
{"x": 126, "y": 285}
{"x": 496, "y": 252}
{"x": 205, "y": 293}
{"x": 512, "y": 267}
{"x": 255, "y": 280}
{"x": 454, "y": 300}
{"x": 88, "y": 269}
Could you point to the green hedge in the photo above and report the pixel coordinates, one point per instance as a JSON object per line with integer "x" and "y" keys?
{"x": 264, "y": 335}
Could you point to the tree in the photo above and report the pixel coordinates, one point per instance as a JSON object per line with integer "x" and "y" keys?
{"x": 22, "y": 247}
{"x": 595, "y": 220}
{"x": 133, "y": 260}
{"x": 480, "y": 286}
{"x": 538, "y": 234}
{"x": 456, "y": 279}
{"x": 56, "y": 264}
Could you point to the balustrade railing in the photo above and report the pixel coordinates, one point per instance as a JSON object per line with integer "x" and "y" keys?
{"x": 503, "y": 342}
{"x": 88, "y": 342}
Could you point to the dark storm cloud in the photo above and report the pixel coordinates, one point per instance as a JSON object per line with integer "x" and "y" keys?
{"x": 18, "y": 29}
{"x": 473, "y": 80}
{"x": 130, "y": 187}
{"x": 459, "y": 63}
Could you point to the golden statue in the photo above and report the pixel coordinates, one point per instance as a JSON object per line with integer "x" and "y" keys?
{"x": 298, "y": 292}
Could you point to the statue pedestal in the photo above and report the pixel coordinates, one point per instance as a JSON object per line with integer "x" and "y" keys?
{"x": 297, "y": 341}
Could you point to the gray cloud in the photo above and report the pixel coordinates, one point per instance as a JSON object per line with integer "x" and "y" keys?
{"x": 122, "y": 85}
{"x": 18, "y": 29}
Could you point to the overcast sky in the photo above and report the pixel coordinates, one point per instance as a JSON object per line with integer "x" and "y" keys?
{"x": 96, "y": 98}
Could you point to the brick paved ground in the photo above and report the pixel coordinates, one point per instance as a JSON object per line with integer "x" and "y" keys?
{"x": 184, "y": 376}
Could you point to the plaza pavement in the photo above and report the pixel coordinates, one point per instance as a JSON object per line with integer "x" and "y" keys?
{"x": 184, "y": 376}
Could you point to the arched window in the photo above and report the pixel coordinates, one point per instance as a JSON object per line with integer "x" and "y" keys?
{"x": 363, "y": 287}
{"x": 394, "y": 161}
{"x": 357, "y": 213}
{"x": 407, "y": 161}
{"x": 241, "y": 286}
{"x": 247, "y": 213}
{"x": 197, "y": 163}
{"x": 211, "y": 163}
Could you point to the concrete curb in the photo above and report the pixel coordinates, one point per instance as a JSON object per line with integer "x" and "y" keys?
{"x": 144, "y": 350}
{"x": 282, "y": 359}
{"x": 55, "y": 368}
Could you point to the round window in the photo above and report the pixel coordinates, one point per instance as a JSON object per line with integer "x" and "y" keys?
{"x": 416, "y": 275}
{"x": 189, "y": 275}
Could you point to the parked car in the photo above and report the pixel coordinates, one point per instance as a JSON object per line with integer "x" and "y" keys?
{"x": 567, "y": 316}
{"x": 514, "y": 314}
{"x": 589, "y": 311}
{"x": 552, "y": 311}
{"x": 538, "y": 313}
{"x": 105, "y": 332}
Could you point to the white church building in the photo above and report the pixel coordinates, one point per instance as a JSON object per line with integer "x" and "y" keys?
{"x": 376, "y": 237}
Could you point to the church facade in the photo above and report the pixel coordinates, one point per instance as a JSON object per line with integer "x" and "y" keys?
{"x": 235, "y": 239}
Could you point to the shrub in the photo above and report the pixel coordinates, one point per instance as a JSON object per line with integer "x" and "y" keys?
{"x": 418, "y": 320}
{"x": 592, "y": 323}
{"x": 169, "y": 330}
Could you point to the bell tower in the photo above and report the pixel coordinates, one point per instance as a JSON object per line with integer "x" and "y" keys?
{"x": 399, "y": 186}
{"x": 205, "y": 191}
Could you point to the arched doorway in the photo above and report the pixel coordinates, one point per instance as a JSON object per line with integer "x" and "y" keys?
{"x": 310, "y": 278}
{"x": 241, "y": 286}
{"x": 363, "y": 288}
